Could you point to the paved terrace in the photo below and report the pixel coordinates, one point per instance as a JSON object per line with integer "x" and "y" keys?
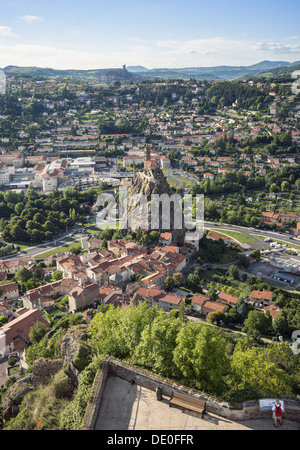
{"x": 132, "y": 407}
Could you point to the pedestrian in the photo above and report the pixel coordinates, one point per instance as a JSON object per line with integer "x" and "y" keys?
{"x": 277, "y": 409}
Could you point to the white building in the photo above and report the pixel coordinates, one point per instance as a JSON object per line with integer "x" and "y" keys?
{"x": 53, "y": 174}
{"x": 5, "y": 173}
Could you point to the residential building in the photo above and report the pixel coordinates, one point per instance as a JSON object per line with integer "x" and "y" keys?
{"x": 197, "y": 302}
{"x": 107, "y": 292}
{"x": 217, "y": 237}
{"x": 9, "y": 292}
{"x": 5, "y": 309}
{"x": 169, "y": 301}
{"x": 45, "y": 296}
{"x": 165, "y": 238}
{"x": 228, "y": 299}
{"x": 209, "y": 307}
{"x": 14, "y": 335}
{"x": 82, "y": 296}
{"x": 272, "y": 311}
{"x": 261, "y": 298}
{"x": 151, "y": 294}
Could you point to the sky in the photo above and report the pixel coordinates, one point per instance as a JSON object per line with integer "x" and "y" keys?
{"x": 97, "y": 34}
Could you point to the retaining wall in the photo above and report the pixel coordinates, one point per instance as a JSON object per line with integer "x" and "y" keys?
{"x": 236, "y": 411}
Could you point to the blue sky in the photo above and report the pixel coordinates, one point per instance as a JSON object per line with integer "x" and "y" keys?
{"x": 91, "y": 34}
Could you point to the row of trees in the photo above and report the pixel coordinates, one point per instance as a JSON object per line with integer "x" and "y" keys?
{"x": 195, "y": 354}
{"x": 35, "y": 217}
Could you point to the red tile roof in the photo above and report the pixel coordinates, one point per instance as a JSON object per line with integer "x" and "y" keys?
{"x": 261, "y": 295}
{"x": 200, "y": 299}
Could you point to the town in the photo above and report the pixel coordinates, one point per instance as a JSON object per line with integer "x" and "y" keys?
{"x": 65, "y": 142}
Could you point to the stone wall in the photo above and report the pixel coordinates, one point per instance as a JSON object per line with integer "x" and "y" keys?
{"x": 98, "y": 390}
{"x": 236, "y": 411}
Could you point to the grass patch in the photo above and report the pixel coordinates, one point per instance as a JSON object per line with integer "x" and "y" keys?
{"x": 95, "y": 230}
{"x": 46, "y": 405}
{"x": 186, "y": 182}
{"x": 60, "y": 250}
{"x": 24, "y": 245}
{"x": 171, "y": 182}
{"x": 238, "y": 236}
{"x": 183, "y": 182}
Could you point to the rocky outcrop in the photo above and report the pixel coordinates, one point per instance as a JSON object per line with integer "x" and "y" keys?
{"x": 44, "y": 369}
{"x": 43, "y": 372}
{"x": 149, "y": 182}
{"x": 14, "y": 397}
{"x": 75, "y": 356}
{"x": 75, "y": 351}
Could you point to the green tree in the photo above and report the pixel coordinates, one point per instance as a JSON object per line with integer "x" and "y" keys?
{"x": 178, "y": 277}
{"x": 285, "y": 186}
{"x": 158, "y": 340}
{"x": 234, "y": 272}
{"x": 253, "y": 372}
{"x": 48, "y": 226}
{"x": 57, "y": 275}
{"x": 242, "y": 309}
{"x": 37, "y": 332}
{"x": 257, "y": 324}
{"x": 23, "y": 275}
{"x": 256, "y": 254}
{"x": 212, "y": 293}
{"x": 19, "y": 208}
{"x": 280, "y": 324}
{"x": 18, "y": 234}
{"x": 169, "y": 282}
{"x": 216, "y": 317}
{"x": 200, "y": 355}
{"x": 117, "y": 332}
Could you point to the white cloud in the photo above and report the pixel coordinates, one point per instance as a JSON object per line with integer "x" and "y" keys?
{"x": 293, "y": 38}
{"x": 152, "y": 54}
{"x": 6, "y": 32}
{"x": 48, "y": 56}
{"x": 204, "y": 52}
{"x": 276, "y": 47}
{"x": 31, "y": 19}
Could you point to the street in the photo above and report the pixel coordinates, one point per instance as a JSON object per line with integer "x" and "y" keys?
{"x": 61, "y": 240}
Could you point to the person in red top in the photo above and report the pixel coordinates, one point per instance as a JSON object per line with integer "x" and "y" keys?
{"x": 277, "y": 412}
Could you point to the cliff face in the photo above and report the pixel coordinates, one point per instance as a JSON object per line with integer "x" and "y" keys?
{"x": 140, "y": 204}
{"x": 75, "y": 356}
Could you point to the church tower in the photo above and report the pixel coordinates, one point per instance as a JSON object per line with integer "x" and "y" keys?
{"x": 147, "y": 153}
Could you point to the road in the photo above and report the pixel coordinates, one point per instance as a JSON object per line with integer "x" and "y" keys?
{"x": 64, "y": 238}
{"x": 275, "y": 236}
{"x": 176, "y": 174}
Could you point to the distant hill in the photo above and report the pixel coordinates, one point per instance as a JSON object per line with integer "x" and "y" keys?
{"x": 280, "y": 72}
{"x": 105, "y": 75}
{"x": 216, "y": 73}
{"x": 140, "y": 73}
{"x": 137, "y": 69}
